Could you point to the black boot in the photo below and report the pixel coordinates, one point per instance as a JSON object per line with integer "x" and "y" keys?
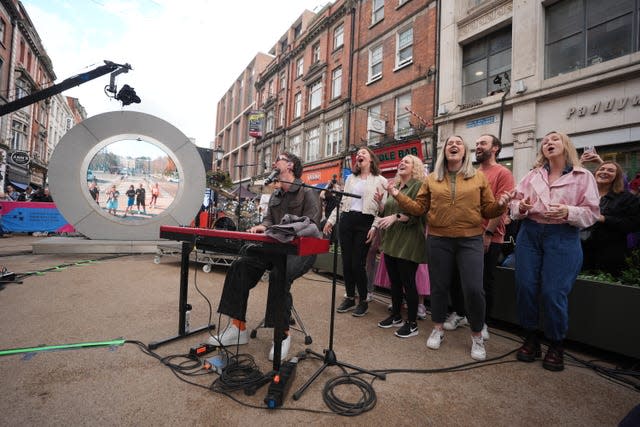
{"x": 530, "y": 349}
{"x": 554, "y": 359}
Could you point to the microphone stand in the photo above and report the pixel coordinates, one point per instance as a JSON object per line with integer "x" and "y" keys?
{"x": 329, "y": 358}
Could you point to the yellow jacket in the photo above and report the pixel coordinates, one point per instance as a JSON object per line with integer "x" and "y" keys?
{"x": 453, "y": 210}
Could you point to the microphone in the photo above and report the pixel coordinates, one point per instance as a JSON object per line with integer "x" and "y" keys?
{"x": 272, "y": 176}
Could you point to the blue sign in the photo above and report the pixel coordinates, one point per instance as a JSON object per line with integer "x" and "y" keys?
{"x": 481, "y": 122}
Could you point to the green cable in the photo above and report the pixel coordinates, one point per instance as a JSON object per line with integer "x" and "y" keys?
{"x": 11, "y": 351}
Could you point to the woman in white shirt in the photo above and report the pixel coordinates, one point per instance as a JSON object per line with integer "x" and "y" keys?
{"x": 357, "y": 217}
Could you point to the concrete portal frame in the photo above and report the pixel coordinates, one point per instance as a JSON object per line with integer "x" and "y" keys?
{"x": 73, "y": 154}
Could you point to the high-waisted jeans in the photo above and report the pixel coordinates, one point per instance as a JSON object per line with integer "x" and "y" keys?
{"x": 548, "y": 260}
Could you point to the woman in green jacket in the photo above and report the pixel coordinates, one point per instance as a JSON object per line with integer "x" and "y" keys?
{"x": 403, "y": 245}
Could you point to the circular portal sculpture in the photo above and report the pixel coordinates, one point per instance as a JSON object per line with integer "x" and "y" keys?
{"x": 71, "y": 158}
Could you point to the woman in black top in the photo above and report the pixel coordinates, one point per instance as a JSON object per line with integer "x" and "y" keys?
{"x": 605, "y": 243}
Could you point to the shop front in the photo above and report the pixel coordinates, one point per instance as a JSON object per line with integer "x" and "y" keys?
{"x": 320, "y": 174}
{"x": 390, "y": 155}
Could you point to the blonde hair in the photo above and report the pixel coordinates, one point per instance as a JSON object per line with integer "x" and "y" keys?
{"x": 467, "y": 169}
{"x": 570, "y": 153}
{"x": 417, "y": 171}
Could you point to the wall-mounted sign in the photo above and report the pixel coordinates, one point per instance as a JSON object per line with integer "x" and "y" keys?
{"x": 19, "y": 158}
{"x": 481, "y": 122}
{"x": 617, "y": 104}
{"x": 255, "y": 124}
{"x": 390, "y": 156}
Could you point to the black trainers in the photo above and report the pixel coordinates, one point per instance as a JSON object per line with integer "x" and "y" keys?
{"x": 409, "y": 329}
{"x": 361, "y": 309}
{"x": 390, "y": 321}
{"x": 347, "y": 304}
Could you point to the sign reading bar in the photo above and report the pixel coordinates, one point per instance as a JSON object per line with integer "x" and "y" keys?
{"x": 390, "y": 156}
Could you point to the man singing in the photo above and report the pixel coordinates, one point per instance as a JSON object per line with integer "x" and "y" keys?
{"x": 246, "y": 271}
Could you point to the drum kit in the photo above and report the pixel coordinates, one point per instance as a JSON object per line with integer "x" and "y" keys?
{"x": 248, "y": 211}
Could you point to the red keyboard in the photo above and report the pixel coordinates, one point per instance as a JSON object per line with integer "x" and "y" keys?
{"x": 238, "y": 242}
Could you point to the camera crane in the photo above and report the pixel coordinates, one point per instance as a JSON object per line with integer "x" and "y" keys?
{"x": 127, "y": 94}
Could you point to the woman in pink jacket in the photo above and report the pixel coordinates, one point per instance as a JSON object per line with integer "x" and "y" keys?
{"x": 554, "y": 201}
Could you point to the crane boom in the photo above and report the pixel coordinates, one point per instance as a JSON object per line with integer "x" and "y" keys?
{"x": 77, "y": 80}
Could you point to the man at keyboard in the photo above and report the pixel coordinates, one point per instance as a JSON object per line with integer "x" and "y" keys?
{"x": 245, "y": 272}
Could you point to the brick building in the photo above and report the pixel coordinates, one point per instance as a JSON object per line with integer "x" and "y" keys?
{"x": 318, "y": 93}
{"x": 25, "y": 68}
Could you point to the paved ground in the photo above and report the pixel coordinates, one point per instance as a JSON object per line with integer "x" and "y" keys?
{"x": 80, "y": 299}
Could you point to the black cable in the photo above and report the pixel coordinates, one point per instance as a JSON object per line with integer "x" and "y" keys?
{"x": 366, "y": 402}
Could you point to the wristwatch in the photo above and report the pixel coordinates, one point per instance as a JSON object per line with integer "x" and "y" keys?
{"x": 488, "y": 233}
{"x": 398, "y": 216}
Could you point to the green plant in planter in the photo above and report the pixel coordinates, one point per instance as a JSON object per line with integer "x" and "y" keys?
{"x": 630, "y": 276}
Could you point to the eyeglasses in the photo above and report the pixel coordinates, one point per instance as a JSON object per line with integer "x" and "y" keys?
{"x": 282, "y": 158}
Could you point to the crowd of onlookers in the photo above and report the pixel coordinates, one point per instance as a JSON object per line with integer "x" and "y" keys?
{"x": 31, "y": 193}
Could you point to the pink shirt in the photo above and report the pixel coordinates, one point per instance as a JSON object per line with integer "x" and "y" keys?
{"x": 576, "y": 189}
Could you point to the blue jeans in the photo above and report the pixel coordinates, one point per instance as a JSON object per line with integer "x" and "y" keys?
{"x": 548, "y": 260}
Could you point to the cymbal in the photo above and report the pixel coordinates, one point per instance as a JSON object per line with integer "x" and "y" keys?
{"x": 225, "y": 193}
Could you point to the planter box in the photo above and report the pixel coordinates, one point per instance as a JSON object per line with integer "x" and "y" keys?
{"x": 600, "y": 314}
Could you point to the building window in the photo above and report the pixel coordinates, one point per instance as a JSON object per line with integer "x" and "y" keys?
{"x": 315, "y": 53}
{"x": 297, "y": 105}
{"x": 404, "y": 47}
{"x": 482, "y": 61}
{"x": 338, "y": 36}
{"x": 18, "y": 135}
{"x": 270, "y": 89}
{"x": 375, "y": 111}
{"x": 295, "y": 144}
{"x": 315, "y": 95}
{"x": 270, "y": 121}
{"x": 281, "y": 115}
{"x": 336, "y": 83}
{"x": 334, "y": 137}
{"x": 375, "y": 63}
{"x": 313, "y": 144}
{"x": 299, "y": 66}
{"x": 3, "y": 29}
{"x": 403, "y": 116}
{"x": 377, "y": 9}
{"x": 283, "y": 81}
{"x": 22, "y": 88}
{"x": 580, "y": 33}
{"x": 297, "y": 31}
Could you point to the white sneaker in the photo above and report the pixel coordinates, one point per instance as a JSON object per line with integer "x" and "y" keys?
{"x": 231, "y": 336}
{"x": 435, "y": 339}
{"x": 369, "y": 296}
{"x": 485, "y": 332}
{"x": 284, "y": 348}
{"x": 477, "y": 348}
{"x": 453, "y": 321}
{"x": 422, "y": 312}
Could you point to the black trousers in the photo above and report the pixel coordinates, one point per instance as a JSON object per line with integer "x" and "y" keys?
{"x": 245, "y": 273}
{"x": 352, "y": 232}
{"x": 490, "y": 264}
{"x": 402, "y": 274}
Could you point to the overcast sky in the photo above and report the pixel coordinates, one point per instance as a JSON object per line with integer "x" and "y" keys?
{"x": 185, "y": 54}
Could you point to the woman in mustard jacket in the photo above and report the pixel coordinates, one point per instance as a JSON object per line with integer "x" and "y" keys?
{"x": 456, "y": 197}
